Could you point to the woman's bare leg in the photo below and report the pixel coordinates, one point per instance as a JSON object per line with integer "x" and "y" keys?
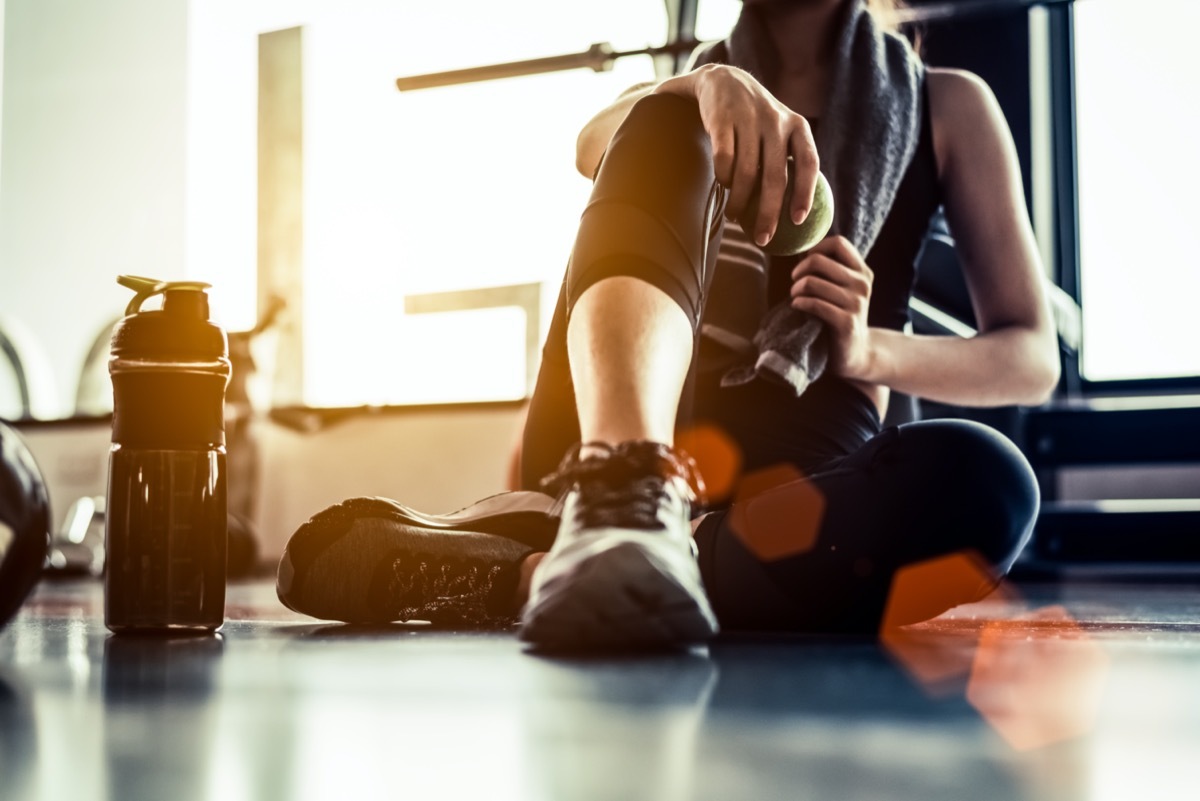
{"x": 630, "y": 347}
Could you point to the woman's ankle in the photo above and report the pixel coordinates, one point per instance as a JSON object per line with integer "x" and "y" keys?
{"x": 528, "y": 565}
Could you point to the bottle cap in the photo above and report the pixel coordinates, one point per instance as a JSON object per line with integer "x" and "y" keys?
{"x": 180, "y": 330}
{"x": 169, "y": 368}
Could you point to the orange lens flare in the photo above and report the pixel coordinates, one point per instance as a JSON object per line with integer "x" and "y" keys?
{"x": 924, "y": 590}
{"x": 1036, "y": 678}
{"x": 777, "y": 513}
{"x": 1039, "y": 679}
{"x": 937, "y": 659}
{"x": 718, "y": 458}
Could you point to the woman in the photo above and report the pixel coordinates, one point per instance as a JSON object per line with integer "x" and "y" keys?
{"x": 620, "y": 560}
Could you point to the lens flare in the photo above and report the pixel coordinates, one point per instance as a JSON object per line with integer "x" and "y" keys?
{"x": 1039, "y": 679}
{"x": 777, "y": 513}
{"x": 938, "y": 660}
{"x": 718, "y": 458}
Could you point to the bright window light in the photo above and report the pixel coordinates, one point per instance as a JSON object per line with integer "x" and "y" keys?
{"x": 1136, "y": 69}
{"x": 405, "y": 193}
{"x": 715, "y": 18}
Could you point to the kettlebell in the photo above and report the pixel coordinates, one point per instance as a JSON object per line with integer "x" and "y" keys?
{"x": 24, "y": 522}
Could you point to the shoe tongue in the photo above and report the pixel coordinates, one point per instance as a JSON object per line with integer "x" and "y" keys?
{"x": 620, "y": 465}
{"x": 630, "y": 461}
{"x": 620, "y": 501}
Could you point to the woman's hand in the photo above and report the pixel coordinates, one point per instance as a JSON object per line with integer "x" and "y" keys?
{"x": 752, "y": 136}
{"x": 833, "y": 283}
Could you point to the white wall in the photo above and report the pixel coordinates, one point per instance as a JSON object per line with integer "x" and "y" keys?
{"x": 92, "y": 181}
{"x": 2, "y": 16}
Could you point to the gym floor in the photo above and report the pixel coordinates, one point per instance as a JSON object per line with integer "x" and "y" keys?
{"x": 1067, "y": 691}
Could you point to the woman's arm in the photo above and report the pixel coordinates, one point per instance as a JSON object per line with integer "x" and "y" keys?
{"x": 1014, "y": 357}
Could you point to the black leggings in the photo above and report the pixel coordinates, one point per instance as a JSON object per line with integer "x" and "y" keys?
{"x": 819, "y": 551}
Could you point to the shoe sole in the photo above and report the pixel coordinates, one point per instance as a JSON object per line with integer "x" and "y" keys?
{"x": 355, "y": 526}
{"x": 619, "y": 599}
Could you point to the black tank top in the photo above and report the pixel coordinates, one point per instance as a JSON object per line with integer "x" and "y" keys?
{"x": 894, "y": 254}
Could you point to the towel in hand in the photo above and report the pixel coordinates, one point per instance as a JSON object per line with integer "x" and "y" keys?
{"x": 866, "y": 139}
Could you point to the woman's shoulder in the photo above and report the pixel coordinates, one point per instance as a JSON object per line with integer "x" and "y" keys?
{"x": 962, "y": 108}
{"x": 950, "y": 83}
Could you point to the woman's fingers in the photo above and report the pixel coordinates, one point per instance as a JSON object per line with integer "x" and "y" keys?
{"x": 833, "y": 283}
{"x": 815, "y": 286}
{"x": 771, "y": 188}
{"x": 831, "y": 314}
{"x": 805, "y": 166}
{"x": 745, "y": 169}
{"x": 822, "y": 266}
{"x": 841, "y": 250}
{"x": 753, "y": 135}
{"x": 724, "y": 144}
{"x": 783, "y": 135}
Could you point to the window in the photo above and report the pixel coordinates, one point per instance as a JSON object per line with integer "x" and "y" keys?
{"x": 405, "y": 195}
{"x": 1136, "y": 66}
{"x": 715, "y": 18}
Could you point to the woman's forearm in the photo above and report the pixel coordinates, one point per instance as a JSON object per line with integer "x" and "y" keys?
{"x": 1005, "y": 366}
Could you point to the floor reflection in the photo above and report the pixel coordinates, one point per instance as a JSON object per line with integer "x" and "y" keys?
{"x": 156, "y": 693}
{"x": 840, "y": 719}
{"x": 1051, "y": 700}
{"x": 18, "y": 739}
{"x": 616, "y": 727}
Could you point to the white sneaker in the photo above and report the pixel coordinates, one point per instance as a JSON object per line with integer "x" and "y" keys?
{"x": 622, "y": 572}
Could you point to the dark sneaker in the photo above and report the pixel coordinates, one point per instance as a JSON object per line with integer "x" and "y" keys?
{"x": 622, "y": 572}
{"x": 372, "y": 560}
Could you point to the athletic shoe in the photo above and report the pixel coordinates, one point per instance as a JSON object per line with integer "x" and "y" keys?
{"x": 623, "y": 571}
{"x": 372, "y": 560}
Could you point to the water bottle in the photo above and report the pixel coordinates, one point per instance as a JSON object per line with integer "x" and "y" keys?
{"x": 166, "y": 521}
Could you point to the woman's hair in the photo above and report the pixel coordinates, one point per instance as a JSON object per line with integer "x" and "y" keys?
{"x": 887, "y": 14}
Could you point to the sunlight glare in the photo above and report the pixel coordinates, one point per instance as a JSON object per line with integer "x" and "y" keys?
{"x": 1138, "y": 172}
{"x": 404, "y": 193}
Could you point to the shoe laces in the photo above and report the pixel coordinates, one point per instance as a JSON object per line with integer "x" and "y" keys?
{"x": 624, "y": 485}
{"x": 448, "y": 590}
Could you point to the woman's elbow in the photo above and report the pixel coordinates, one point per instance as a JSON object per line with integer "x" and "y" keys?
{"x": 1044, "y": 385}
{"x": 1042, "y": 373}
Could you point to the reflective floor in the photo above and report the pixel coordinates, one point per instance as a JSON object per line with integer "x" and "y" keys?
{"x": 1076, "y": 692}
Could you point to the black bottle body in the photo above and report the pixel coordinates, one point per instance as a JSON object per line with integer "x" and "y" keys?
{"x": 166, "y": 545}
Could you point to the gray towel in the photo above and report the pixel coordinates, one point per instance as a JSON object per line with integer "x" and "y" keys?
{"x": 866, "y": 139}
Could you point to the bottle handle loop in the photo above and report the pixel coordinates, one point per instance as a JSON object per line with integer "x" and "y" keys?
{"x": 146, "y": 288}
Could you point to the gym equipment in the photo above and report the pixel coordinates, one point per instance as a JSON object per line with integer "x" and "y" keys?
{"x": 24, "y": 522}
{"x": 600, "y": 56}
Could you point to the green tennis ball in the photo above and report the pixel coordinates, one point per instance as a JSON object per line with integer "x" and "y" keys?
{"x": 791, "y": 239}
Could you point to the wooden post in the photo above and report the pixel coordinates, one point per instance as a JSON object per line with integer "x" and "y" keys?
{"x": 281, "y": 203}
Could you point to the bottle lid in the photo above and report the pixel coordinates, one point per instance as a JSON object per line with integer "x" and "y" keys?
{"x": 179, "y": 330}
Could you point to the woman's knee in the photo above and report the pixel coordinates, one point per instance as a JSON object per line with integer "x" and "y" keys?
{"x": 659, "y": 154}
{"x": 655, "y": 207}
{"x": 666, "y": 125}
{"x": 980, "y": 481}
